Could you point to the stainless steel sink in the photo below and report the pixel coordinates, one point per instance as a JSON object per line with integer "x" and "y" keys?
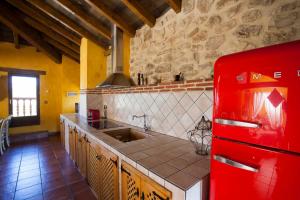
{"x": 126, "y": 135}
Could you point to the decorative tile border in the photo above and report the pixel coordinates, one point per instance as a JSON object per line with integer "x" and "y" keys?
{"x": 190, "y": 85}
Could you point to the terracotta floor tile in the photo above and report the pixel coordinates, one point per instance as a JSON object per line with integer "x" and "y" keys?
{"x": 9, "y": 171}
{"x": 74, "y": 177}
{"x": 28, "y": 182}
{"x": 41, "y": 169}
{"x": 51, "y": 176}
{"x": 9, "y": 165}
{"x": 57, "y": 194}
{"x": 53, "y": 184}
{"x": 6, "y": 196}
{"x": 29, "y": 174}
{"x": 36, "y": 197}
{"x": 26, "y": 168}
{"x": 86, "y": 194}
{"x": 28, "y": 192}
{"x": 79, "y": 187}
{"x": 8, "y": 188}
{"x": 8, "y": 179}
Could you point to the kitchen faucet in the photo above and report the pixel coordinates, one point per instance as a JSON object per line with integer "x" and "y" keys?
{"x": 146, "y": 128}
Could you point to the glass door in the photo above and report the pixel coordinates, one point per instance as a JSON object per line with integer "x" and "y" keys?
{"x": 24, "y": 99}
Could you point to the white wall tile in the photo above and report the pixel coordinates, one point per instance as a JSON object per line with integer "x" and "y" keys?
{"x": 171, "y": 113}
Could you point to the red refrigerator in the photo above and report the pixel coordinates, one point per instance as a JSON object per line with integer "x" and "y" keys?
{"x": 256, "y": 125}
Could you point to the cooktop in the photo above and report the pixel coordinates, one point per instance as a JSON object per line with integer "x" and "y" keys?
{"x": 103, "y": 124}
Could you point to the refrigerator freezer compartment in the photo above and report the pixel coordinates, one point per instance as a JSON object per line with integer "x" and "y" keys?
{"x": 240, "y": 171}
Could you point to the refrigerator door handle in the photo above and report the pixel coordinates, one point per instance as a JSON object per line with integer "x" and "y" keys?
{"x": 236, "y": 123}
{"x": 234, "y": 163}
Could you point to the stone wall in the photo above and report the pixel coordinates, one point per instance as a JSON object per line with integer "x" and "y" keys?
{"x": 191, "y": 41}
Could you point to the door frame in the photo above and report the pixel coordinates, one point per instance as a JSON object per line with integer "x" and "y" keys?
{"x": 27, "y": 120}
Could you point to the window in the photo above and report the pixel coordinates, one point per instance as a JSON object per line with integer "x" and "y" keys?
{"x": 24, "y": 99}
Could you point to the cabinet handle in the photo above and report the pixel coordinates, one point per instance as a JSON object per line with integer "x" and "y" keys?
{"x": 137, "y": 192}
{"x": 114, "y": 161}
{"x": 124, "y": 170}
{"x": 158, "y": 196}
{"x": 236, "y": 123}
{"x": 233, "y": 163}
{"x": 98, "y": 157}
{"x": 143, "y": 196}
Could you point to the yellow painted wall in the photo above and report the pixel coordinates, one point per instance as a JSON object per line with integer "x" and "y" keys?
{"x": 71, "y": 81}
{"x": 92, "y": 64}
{"x": 53, "y": 86}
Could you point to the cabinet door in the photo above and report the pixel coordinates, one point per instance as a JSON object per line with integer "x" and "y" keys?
{"x": 153, "y": 191}
{"x": 76, "y": 137}
{"x": 131, "y": 183}
{"x": 109, "y": 175}
{"x": 82, "y": 154}
{"x": 62, "y": 132}
{"x": 71, "y": 142}
{"x": 93, "y": 166}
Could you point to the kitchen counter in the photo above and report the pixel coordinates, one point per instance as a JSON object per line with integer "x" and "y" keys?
{"x": 172, "y": 159}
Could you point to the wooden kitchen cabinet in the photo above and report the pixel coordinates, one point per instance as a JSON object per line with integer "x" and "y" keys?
{"x": 102, "y": 171}
{"x": 72, "y": 142}
{"x": 131, "y": 183}
{"x": 150, "y": 190}
{"x": 137, "y": 186}
{"x": 81, "y": 157}
{"x": 62, "y": 132}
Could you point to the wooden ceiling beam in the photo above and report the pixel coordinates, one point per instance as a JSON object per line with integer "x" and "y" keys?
{"x": 11, "y": 19}
{"x": 16, "y": 40}
{"x": 51, "y": 23}
{"x": 49, "y": 32}
{"x": 44, "y": 6}
{"x": 142, "y": 13}
{"x": 112, "y": 16}
{"x": 65, "y": 50}
{"x": 79, "y": 12}
{"x": 175, "y": 5}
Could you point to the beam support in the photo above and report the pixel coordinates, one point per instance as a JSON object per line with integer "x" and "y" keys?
{"x": 16, "y": 23}
{"x": 51, "y": 23}
{"x": 44, "y": 29}
{"x": 65, "y": 50}
{"x": 112, "y": 16}
{"x": 16, "y": 40}
{"x": 142, "y": 13}
{"x": 87, "y": 18}
{"x": 175, "y": 5}
{"x": 44, "y": 6}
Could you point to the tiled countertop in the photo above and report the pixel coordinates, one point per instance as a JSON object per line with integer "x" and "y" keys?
{"x": 170, "y": 158}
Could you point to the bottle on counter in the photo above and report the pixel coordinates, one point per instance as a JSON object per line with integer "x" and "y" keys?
{"x": 142, "y": 79}
{"x": 105, "y": 111}
{"x": 139, "y": 78}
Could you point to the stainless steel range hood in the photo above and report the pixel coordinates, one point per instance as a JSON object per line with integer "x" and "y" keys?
{"x": 118, "y": 79}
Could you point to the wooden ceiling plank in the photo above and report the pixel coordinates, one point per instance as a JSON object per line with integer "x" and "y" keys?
{"x": 65, "y": 50}
{"x": 175, "y": 5}
{"x": 16, "y": 40}
{"x": 49, "y": 32}
{"x": 16, "y": 23}
{"x": 38, "y": 15}
{"x": 142, "y": 13}
{"x": 112, "y": 16}
{"x": 41, "y": 4}
{"x": 87, "y": 18}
